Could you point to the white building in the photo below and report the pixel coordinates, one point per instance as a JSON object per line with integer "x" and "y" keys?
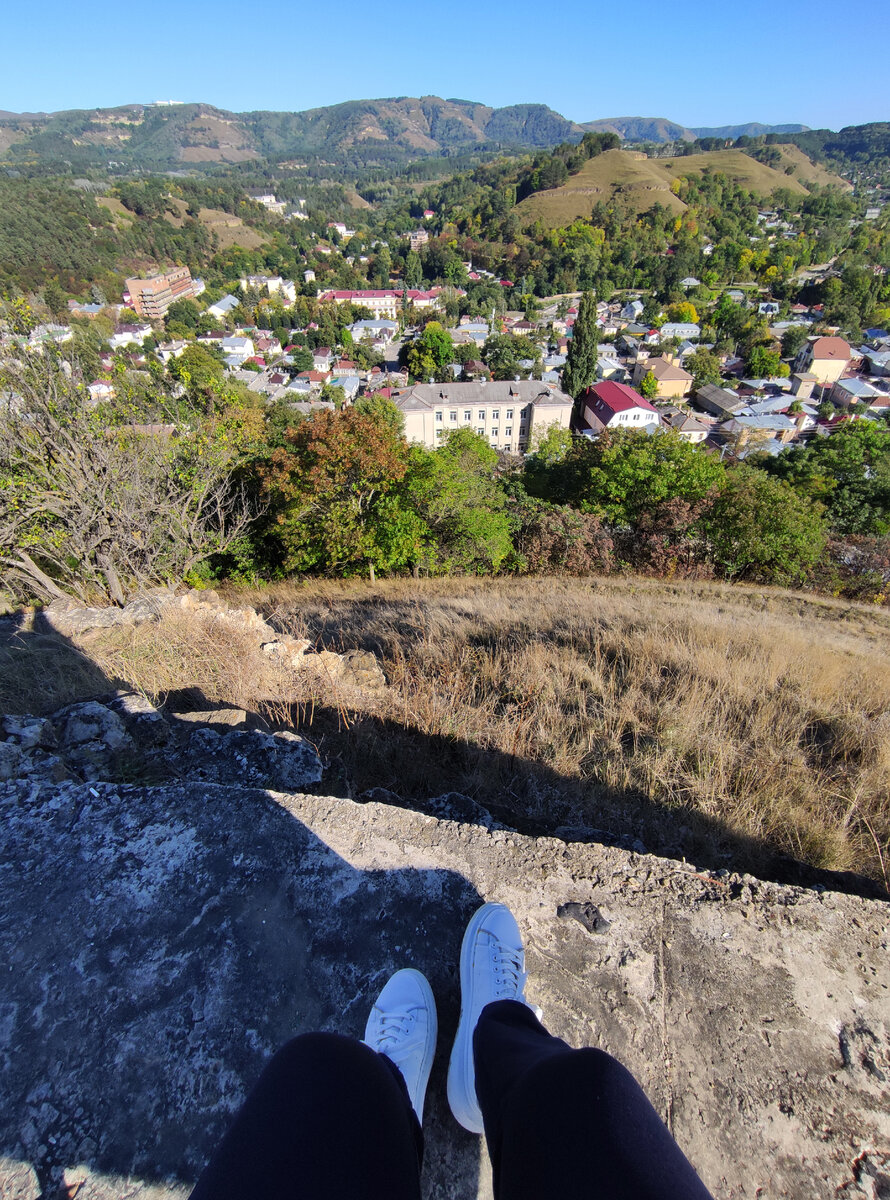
{"x": 223, "y": 306}
{"x": 507, "y": 414}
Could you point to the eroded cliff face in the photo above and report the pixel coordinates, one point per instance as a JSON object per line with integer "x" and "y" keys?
{"x": 159, "y": 943}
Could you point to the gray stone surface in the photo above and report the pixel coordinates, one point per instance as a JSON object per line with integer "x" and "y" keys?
{"x": 159, "y": 943}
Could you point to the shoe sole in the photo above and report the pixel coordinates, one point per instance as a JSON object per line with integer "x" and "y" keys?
{"x": 432, "y": 1035}
{"x": 461, "y": 1097}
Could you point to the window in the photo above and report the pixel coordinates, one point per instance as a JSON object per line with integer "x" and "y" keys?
{"x": 452, "y": 416}
{"x": 481, "y": 432}
{"x": 522, "y": 431}
{"x": 495, "y": 413}
{"x": 468, "y": 416}
{"x": 439, "y": 416}
{"x": 494, "y": 432}
{"x": 508, "y": 432}
{"x": 509, "y": 414}
{"x": 480, "y": 416}
{"x": 440, "y": 433}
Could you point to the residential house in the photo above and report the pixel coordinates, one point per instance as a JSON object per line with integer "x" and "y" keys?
{"x": 350, "y": 385}
{"x": 88, "y": 311}
{"x": 128, "y": 335}
{"x": 223, "y": 306}
{"x": 771, "y": 432}
{"x": 687, "y": 330}
{"x": 671, "y": 378}
{"x": 683, "y": 424}
{"x": 375, "y": 331}
{"x": 608, "y": 367}
{"x": 237, "y": 348}
{"x": 847, "y": 392}
{"x": 632, "y": 310}
{"x": 825, "y": 357}
{"x": 418, "y": 238}
{"x": 718, "y": 401}
{"x": 59, "y": 334}
{"x": 507, "y": 414}
{"x": 877, "y": 361}
{"x": 100, "y": 389}
{"x": 610, "y": 405}
{"x": 802, "y": 384}
{"x": 689, "y": 282}
{"x": 169, "y": 350}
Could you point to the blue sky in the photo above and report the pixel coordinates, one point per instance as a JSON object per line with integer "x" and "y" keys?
{"x": 697, "y": 63}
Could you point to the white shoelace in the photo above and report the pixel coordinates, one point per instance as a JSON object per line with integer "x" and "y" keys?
{"x": 509, "y": 977}
{"x": 393, "y": 1033}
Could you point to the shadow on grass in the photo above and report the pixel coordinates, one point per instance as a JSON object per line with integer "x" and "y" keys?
{"x": 383, "y": 759}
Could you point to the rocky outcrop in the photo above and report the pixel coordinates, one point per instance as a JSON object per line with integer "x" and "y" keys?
{"x": 160, "y": 942}
{"x": 354, "y": 669}
{"x": 127, "y": 738}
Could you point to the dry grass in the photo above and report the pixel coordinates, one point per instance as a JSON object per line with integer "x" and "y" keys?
{"x": 732, "y": 725}
{"x": 642, "y": 182}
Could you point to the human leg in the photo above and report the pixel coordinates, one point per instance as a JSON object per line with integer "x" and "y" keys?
{"x": 328, "y": 1117}
{"x": 569, "y": 1123}
{"x": 331, "y": 1116}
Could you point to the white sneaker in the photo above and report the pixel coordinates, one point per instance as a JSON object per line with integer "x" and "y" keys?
{"x": 402, "y": 1025}
{"x": 492, "y": 967}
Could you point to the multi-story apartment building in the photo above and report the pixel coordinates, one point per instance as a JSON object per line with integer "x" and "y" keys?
{"x": 384, "y": 302}
{"x": 505, "y": 413}
{"x": 153, "y": 296}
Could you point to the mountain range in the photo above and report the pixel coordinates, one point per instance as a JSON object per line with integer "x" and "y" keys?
{"x": 167, "y": 136}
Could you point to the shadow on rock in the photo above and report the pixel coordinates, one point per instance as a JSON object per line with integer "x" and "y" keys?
{"x": 161, "y": 943}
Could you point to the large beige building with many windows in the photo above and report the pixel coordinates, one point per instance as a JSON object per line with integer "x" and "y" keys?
{"x": 507, "y": 414}
{"x": 152, "y": 297}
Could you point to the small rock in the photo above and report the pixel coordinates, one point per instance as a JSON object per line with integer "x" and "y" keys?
{"x": 29, "y": 732}
{"x": 79, "y": 724}
{"x": 586, "y": 914}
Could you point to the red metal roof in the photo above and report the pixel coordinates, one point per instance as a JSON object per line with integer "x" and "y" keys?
{"x": 615, "y": 397}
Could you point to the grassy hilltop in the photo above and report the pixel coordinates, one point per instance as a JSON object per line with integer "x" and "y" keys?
{"x": 733, "y": 725}
{"x": 642, "y": 182}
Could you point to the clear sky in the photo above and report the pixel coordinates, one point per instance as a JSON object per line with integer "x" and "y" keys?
{"x": 702, "y": 62}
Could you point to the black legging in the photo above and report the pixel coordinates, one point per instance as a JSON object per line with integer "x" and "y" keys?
{"x": 331, "y": 1118}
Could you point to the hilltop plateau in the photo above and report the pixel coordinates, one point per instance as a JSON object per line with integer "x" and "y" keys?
{"x": 641, "y": 182}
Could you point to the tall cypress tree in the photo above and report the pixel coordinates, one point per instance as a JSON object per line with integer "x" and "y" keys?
{"x": 580, "y": 369}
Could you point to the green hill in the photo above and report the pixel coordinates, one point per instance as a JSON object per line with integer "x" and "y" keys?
{"x": 641, "y": 182}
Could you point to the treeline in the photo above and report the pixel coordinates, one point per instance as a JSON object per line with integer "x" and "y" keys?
{"x": 201, "y": 480}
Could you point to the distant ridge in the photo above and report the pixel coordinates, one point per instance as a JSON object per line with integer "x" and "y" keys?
{"x": 659, "y": 129}
{"x": 167, "y": 136}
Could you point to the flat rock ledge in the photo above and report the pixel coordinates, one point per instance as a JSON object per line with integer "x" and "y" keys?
{"x": 159, "y": 943}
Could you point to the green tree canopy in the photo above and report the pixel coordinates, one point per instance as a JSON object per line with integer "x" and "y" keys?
{"x": 758, "y": 527}
{"x": 849, "y": 472}
{"x": 454, "y": 491}
{"x": 336, "y": 485}
{"x": 626, "y": 473}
